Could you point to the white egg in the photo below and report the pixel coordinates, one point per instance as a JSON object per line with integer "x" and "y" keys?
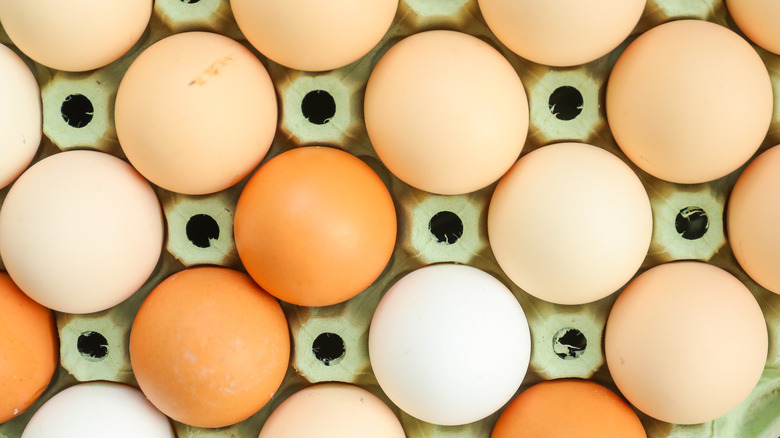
{"x": 449, "y": 344}
{"x": 98, "y": 410}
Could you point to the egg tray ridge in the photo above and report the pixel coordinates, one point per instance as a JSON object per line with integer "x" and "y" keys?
{"x": 416, "y": 245}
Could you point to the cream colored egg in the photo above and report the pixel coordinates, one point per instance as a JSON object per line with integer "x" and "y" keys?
{"x": 20, "y": 116}
{"x": 80, "y": 231}
{"x": 570, "y": 223}
{"x": 561, "y": 32}
{"x": 689, "y": 101}
{"x": 75, "y": 35}
{"x": 196, "y": 112}
{"x": 314, "y": 35}
{"x": 759, "y": 20}
{"x": 332, "y": 410}
{"x": 446, "y": 112}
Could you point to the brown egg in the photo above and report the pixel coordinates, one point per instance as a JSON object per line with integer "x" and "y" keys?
{"x": 689, "y": 101}
{"x": 28, "y": 349}
{"x": 196, "y": 113}
{"x": 561, "y": 32}
{"x": 568, "y": 408}
{"x": 314, "y": 35}
{"x": 686, "y": 342}
{"x": 209, "y": 347}
{"x": 315, "y": 226}
{"x": 446, "y": 112}
{"x": 76, "y": 35}
{"x": 753, "y": 212}
{"x": 758, "y": 19}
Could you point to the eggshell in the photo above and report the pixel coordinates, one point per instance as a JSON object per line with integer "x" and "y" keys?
{"x": 28, "y": 342}
{"x": 76, "y": 35}
{"x": 80, "y": 231}
{"x": 209, "y": 347}
{"x": 686, "y": 342}
{"x": 97, "y": 410}
{"x": 758, "y": 20}
{"x": 753, "y": 212}
{"x": 332, "y": 410}
{"x": 570, "y": 223}
{"x": 568, "y": 408}
{"x": 20, "y": 116}
{"x": 314, "y": 35}
{"x": 315, "y": 226}
{"x": 560, "y": 32}
{"x": 446, "y": 112}
{"x": 449, "y": 344}
{"x": 689, "y": 101}
{"x": 196, "y": 113}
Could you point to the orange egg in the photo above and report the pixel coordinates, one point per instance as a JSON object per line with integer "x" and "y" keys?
{"x": 209, "y": 347}
{"x": 568, "y": 408}
{"x": 28, "y": 349}
{"x": 315, "y": 226}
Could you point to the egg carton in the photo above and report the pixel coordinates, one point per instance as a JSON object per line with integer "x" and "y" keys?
{"x": 331, "y": 343}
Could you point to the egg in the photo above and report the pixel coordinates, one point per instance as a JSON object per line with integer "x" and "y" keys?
{"x": 758, "y": 20}
{"x": 686, "y": 342}
{"x": 28, "y": 342}
{"x": 752, "y": 212}
{"x": 449, "y": 344}
{"x": 208, "y": 347}
{"x": 20, "y": 116}
{"x": 446, "y": 112}
{"x": 561, "y": 33}
{"x": 332, "y": 410}
{"x": 98, "y": 409}
{"x": 689, "y": 101}
{"x": 196, "y": 113}
{"x": 570, "y": 223}
{"x": 315, "y": 226}
{"x": 76, "y": 35}
{"x": 313, "y": 35}
{"x": 568, "y": 408}
{"x": 80, "y": 231}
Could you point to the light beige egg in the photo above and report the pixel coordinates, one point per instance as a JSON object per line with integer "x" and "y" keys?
{"x": 80, "y": 231}
{"x": 20, "y": 116}
{"x": 570, "y": 223}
